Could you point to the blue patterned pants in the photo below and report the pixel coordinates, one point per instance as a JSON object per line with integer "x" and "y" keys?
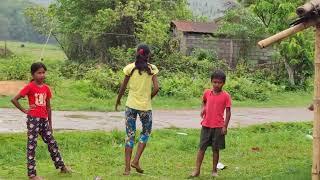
{"x": 146, "y": 120}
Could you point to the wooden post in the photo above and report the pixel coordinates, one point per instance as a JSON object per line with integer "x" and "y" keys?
{"x": 316, "y": 123}
{"x": 5, "y": 48}
{"x": 308, "y": 7}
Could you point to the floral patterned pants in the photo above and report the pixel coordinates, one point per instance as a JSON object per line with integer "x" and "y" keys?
{"x": 40, "y": 126}
{"x": 146, "y": 120}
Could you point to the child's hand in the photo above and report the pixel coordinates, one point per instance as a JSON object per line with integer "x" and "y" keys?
{"x": 311, "y": 107}
{"x": 224, "y": 131}
{"x": 50, "y": 128}
{"x": 203, "y": 113}
{"x": 26, "y": 111}
{"x": 117, "y": 104}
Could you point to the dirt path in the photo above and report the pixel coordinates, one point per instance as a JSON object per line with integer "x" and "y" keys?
{"x": 13, "y": 121}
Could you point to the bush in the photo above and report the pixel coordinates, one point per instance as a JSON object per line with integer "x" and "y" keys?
{"x": 183, "y": 85}
{"x": 188, "y": 64}
{"x": 245, "y": 88}
{"x": 120, "y": 57}
{"x": 205, "y": 54}
{"x": 105, "y": 82}
{"x": 75, "y": 70}
{"x": 15, "y": 68}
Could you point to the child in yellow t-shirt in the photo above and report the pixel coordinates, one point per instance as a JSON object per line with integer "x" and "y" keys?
{"x": 139, "y": 76}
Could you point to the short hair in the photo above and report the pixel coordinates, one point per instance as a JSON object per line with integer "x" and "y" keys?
{"x": 219, "y": 74}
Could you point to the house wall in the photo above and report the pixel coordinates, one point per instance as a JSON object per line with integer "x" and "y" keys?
{"x": 227, "y": 49}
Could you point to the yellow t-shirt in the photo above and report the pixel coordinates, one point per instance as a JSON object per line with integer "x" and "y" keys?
{"x": 140, "y": 87}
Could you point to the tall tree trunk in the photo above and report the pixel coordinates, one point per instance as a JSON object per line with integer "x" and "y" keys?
{"x": 290, "y": 72}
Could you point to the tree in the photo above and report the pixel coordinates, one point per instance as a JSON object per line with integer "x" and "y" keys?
{"x": 270, "y": 17}
{"x": 88, "y": 28}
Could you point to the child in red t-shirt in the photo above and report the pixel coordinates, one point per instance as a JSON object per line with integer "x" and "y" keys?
{"x": 39, "y": 119}
{"x": 214, "y": 126}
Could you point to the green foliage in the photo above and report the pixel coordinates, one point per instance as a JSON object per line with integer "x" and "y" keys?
{"x": 76, "y": 70}
{"x": 241, "y": 23}
{"x": 265, "y": 17}
{"x": 108, "y": 24}
{"x": 120, "y": 57}
{"x": 244, "y": 88}
{"x": 15, "y": 68}
{"x": 205, "y": 54}
{"x": 105, "y": 82}
{"x": 182, "y": 85}
{"x": 187, "y": 64}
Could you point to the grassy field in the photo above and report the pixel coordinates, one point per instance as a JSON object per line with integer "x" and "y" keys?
{"x": 79, "y": 101}
{"x": 33, "y": 50}
{"x": 78, "y": 98}
{"x": 283, "y": 153}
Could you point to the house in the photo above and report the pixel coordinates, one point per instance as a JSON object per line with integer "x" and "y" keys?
{"x": 203, "y": 35}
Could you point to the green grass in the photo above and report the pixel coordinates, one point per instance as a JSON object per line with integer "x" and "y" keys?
{"x": 284, "y": 153}
{"x": 74, "y": 95}
{"x": 33, "y": 50}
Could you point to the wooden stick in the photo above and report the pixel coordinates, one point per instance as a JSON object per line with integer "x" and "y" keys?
{"x": 308, "y": 7}
{"x": 316, "y": 123}
{"x": 286, "y": 33}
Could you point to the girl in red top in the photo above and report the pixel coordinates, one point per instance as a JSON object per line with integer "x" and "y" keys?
{"x": 39, "y": 119}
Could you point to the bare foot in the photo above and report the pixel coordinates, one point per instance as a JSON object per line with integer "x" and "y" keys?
{"x": 195, "y": 173}
{"x": 35, "y": 178}
{"x": 66, "y": 170}
{"x": 214, "y": 174}
{"x": 126, "y": 172}
{"x": 137, "y": 167}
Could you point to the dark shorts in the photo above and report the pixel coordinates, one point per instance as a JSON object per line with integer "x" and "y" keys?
{"x": 211, "y": 137}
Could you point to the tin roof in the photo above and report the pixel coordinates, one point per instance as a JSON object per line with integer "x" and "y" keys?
{"x": 197, "y": 27}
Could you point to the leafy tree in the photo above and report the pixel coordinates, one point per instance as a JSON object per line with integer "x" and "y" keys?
{"x": 267, "y": 18}
{"x": 88, "y": 28}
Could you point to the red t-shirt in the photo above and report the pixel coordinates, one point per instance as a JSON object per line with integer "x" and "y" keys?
{"x": 215, "y": 107}
{"x": 37, "y": 96}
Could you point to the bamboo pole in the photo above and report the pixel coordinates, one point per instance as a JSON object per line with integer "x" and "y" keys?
{"x": 308, "y": 7}
{"x": 316, "y": 123}
{"x": 286, "y": 33}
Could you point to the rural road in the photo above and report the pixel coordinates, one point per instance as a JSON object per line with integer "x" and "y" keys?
{"x": 12, "y": 120}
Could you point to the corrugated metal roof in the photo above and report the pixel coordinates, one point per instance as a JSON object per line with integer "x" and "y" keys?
{"x": 197, "y": 27}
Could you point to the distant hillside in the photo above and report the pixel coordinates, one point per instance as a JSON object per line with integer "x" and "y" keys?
{"x": 211, "y": 8}
{"x": 13, "y": 25}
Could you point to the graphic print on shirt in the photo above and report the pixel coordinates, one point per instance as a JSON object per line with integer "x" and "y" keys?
{"x": 40, "y": 99}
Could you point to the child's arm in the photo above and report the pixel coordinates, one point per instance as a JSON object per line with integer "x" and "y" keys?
{"x": 203, "y": 109}
{"x": 49, "y": 114}
{"x": 15, "y": 102}
{"x": 226, "y": 123}
{"x": 155, "y": 86}
{"x": 121, "y": 91}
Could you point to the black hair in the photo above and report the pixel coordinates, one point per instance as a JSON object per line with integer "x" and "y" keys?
{"x": 142, "y": 58}
{"x": 218, "y": 74}
{"x": 36, "y": 66}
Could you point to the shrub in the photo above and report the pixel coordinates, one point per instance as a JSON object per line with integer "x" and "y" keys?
{"x": 244, "y": 88}
{"x": 15, "y": 68}
{"x": 105, "y": 82}
{"x": 76, "y": 70}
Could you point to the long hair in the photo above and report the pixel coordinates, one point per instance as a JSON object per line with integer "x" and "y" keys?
{"x": 142, "y": 57}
